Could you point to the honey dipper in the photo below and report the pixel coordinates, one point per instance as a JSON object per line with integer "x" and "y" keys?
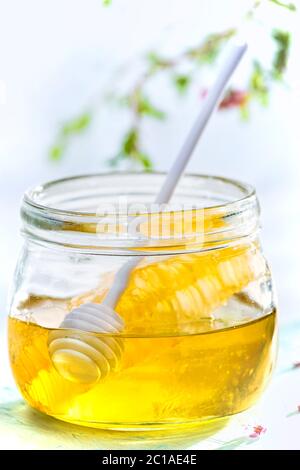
{"x": 86, "y": 358}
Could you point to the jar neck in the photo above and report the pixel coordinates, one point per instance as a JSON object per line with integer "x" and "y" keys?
{"x": 85, "y": 214}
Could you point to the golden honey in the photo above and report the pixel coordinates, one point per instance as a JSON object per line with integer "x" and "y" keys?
{"x": 167, "y": 380}
{"x": 195, "y": 347}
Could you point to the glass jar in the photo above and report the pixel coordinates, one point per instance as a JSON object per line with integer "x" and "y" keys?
{"x": 191, "y": 335}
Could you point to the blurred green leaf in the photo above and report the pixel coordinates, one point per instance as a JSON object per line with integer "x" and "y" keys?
{"x": 68, "y": 130}
{"x": 56, "y": 152}
{"x": 106, "y": 3}
{"x": 144, "y": 160}
{"x": 77, "y": 125}
{"x": 130, "y": 142}
{"x": 182, "y": 83}
{"x": 145, "y": 107}
{"x": 259, "y": 88}
{"x": 130, "y": 150}
{"x": 283, "y": 40}
{"x": 288, "y": 6}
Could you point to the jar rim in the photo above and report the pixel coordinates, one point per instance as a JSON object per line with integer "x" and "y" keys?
{"x": 31, "y": 195}
{"x": 219, "y": 211}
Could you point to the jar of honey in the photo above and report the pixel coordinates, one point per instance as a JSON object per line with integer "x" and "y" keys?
{"x": 192, "y": 338}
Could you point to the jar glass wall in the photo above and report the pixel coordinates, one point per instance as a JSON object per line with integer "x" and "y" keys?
{"x": 194, "y": 333}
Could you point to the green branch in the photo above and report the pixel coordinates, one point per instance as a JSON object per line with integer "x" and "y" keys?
{"x": 283, "y": 42}
{"x": 70, "y": 129}
{"x": 288, "y": 6}
{"x": 182, "y": 70}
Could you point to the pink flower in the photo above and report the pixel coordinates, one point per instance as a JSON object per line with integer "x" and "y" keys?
{"x": 257, "y": 431}
{"x": 234, "y": 98}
